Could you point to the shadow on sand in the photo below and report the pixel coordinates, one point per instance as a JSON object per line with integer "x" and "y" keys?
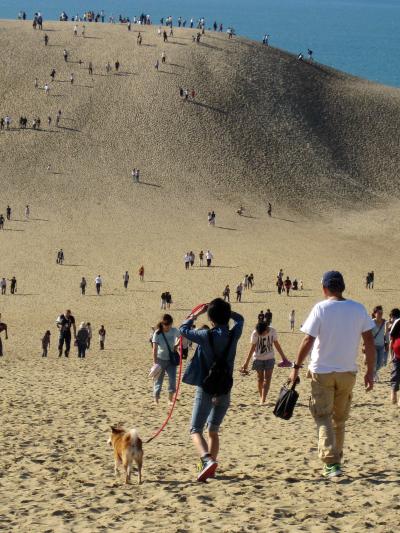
{"x": 207, "y": 106}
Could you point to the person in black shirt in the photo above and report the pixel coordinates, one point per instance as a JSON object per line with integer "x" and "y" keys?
{"x": 268, "y": 317}
{"x": 8, "y": 212}
{"x": 64, "y": 324}
{"x": 13, "y": 287}
{"x": 261, "y": 316}
{"x": 168, "y": 299}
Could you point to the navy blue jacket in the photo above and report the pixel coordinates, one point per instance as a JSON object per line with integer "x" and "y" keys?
{"x": 203, "y": 357}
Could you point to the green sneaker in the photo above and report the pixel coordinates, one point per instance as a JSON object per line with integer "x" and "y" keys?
{"x": 334, "y": 470}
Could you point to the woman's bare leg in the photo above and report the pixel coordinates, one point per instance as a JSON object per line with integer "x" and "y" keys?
{"x": 266, "y": 384}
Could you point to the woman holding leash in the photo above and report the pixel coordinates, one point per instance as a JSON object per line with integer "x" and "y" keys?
{"x": 164, "y": 342}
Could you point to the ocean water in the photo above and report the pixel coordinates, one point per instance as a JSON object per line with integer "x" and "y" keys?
{"x": 358, "y": 36}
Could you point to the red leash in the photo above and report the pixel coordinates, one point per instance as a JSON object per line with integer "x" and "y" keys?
{"x": 175, "y": 397}
{"x": 178, "y": 385}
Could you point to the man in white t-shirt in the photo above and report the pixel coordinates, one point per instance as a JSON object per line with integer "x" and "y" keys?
{"x": 332, "y": 334}
{"x": 99, "y": 283}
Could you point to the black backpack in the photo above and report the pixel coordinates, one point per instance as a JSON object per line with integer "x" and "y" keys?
{"x": 219, "y": 379}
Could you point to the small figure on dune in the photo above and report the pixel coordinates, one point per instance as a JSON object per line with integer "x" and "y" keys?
{"x": 98, "y": 282}
{"x": 46, "y": 39}
{"x": 82, "y": 337}
{"x": 226, "y": 294}
{"x": 90, "y": 332}
{"x": 288, "y": 285}
{"x": 269, "y": 209}
{"x": 13, "y": 285}
{"x": 239, "y": 291}
{"x": 46, "y": 343}
{"x": 27, "y": 212}
{"x": 126, "y": 279}
{"x": 102, "y": 337}
{"x": 82, "y": 286}
{"x": 3, "y": 285}
{"x": 292, "y": 317}
{"x": 141, "y": 273}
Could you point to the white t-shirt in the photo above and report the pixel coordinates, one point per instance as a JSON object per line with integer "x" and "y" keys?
{"x": 98, "y": 281}
{"x": 209, "y": 255}
{"x": 337, "y": 326}
{"x": 264, "y": 344}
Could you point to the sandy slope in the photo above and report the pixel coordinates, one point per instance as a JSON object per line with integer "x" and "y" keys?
{"x": 56, "y": 470}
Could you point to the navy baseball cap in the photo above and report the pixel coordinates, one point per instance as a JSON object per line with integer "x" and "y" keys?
{"x": 333, "y": 281}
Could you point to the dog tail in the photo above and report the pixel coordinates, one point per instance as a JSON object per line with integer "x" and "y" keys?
{"x": 134, "y": 440}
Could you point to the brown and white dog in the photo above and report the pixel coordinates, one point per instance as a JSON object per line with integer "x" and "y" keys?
{"x": 127, "y": 446}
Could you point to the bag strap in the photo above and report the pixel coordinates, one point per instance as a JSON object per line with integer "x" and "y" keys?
{"x": 226, "y": 350}
{"x": 379, "y": 330}
{"x": 166, "y": 342}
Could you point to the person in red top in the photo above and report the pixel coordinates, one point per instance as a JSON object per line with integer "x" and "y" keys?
{"x": 141, "y": 273}
{"x": 395, "y": 349}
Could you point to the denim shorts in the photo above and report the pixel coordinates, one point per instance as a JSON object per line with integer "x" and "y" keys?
{"x": 259, "y": 364}
{"x": 208, "y": 410}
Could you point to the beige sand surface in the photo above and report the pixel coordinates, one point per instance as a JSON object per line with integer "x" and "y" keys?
{"x": 56, "y": 471}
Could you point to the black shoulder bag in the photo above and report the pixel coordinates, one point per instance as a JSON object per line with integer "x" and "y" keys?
{"x": 287, "y": 400}
{"x": 174, "y": 356}
{"x": 219, "y": 379}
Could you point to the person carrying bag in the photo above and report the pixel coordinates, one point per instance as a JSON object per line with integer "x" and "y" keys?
{"x": 164, "y": 336}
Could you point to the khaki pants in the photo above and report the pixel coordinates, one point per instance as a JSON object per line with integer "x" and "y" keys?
{"x": 330, "y": 404}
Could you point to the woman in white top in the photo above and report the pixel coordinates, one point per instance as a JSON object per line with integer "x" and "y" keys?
{"x": 263, "y": 340}
{"x": 165, "y": 341}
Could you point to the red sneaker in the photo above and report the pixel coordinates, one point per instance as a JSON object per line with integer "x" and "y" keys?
{"x": 208, "y": 470}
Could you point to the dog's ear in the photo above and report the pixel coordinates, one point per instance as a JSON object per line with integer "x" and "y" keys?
{"x": 117, "y": 429}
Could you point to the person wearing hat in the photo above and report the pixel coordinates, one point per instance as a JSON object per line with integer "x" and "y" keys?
{"x": 332, "y": 334}
{"x": 82, "y": 338}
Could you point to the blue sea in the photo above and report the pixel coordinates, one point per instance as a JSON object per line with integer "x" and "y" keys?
{"x": 358, "y": 36}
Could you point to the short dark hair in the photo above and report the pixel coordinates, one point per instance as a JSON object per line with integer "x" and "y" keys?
{"x": 219, "y": 312}
{"x": 261, "y": 327}
{"x": 395, "y": 313}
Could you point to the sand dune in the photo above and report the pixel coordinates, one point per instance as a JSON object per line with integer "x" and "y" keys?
{"x": 321, "y": 145}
